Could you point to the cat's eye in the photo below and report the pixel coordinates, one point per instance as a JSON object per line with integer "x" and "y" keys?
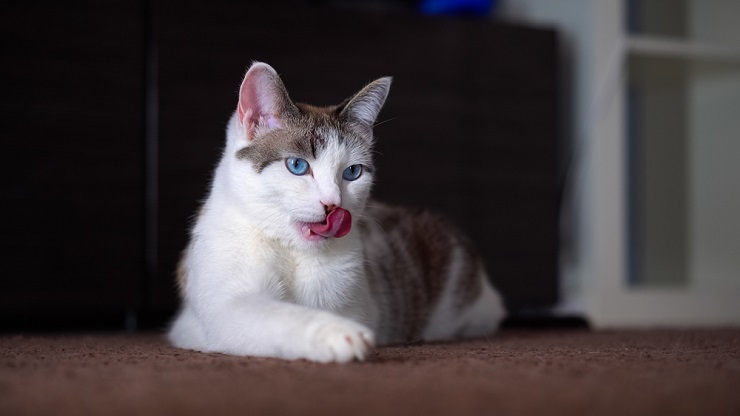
{"x": 353, "y": 172}
{"x": 296, "y": 165}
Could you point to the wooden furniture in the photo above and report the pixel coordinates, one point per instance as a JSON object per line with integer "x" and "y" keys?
{"x": 71, "y": 167}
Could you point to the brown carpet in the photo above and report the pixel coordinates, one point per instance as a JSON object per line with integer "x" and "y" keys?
{"x": 513, "y": 373}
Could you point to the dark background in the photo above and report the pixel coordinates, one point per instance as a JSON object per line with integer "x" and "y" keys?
{"x": 113, "y": 118}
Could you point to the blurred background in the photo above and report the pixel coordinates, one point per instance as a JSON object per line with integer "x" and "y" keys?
{"x": 587, "y": 147}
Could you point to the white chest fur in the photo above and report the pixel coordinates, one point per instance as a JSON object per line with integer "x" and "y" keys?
{"x": 329, "y": 279}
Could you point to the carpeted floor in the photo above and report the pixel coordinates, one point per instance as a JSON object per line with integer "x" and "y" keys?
{"x": 513, "y": 373}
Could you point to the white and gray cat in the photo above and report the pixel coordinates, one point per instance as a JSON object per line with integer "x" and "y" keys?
{"x": 290, "y": 258}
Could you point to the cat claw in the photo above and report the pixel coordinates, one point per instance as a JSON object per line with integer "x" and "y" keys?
{"x": 342, "y": 342}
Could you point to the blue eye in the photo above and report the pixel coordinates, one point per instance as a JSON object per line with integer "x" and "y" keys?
{"x": 353, "y": 172}
{"x": 296, "y": 165}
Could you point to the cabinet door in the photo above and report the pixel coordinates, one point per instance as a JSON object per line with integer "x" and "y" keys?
{"x": 469, "y": 128}
{"x": 71, "y": 164}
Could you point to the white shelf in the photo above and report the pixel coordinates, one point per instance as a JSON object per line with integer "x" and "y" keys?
{"x": 667, "y": 47}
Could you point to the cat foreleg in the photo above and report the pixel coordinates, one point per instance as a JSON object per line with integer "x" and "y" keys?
{"x": 256, "y": 324}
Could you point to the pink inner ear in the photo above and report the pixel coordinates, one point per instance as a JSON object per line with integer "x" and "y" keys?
{"x": 258, "y": 101}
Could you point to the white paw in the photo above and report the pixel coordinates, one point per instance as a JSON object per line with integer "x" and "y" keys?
{"x": 341, "y": 340}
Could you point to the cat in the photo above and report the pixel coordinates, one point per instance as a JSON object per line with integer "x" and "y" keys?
{"x": 290, "y": 258}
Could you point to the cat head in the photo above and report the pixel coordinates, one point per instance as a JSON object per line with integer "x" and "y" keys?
{"x": 302, "y": 172}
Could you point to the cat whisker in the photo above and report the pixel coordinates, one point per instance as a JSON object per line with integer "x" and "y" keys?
{"x": 384, "y": 121}
{"x": 372, "y": 219}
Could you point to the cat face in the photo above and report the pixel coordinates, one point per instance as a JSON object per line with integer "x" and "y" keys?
{"x": 314, "y": 170}
{"x": 305, "y": 173}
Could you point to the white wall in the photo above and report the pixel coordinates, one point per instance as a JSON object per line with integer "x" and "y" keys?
{"x": 594, "y": 261}
{"x": 589, "y": 34}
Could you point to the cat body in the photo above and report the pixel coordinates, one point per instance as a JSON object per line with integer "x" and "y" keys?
{"x": 290, "y": 258}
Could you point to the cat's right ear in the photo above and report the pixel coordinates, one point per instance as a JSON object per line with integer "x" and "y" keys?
{"x": 263, "y": 101}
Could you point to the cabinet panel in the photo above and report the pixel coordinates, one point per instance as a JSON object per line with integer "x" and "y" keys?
{"x": 70, "y": 93}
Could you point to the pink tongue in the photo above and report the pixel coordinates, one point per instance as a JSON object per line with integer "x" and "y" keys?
{"x": 338, "y": 224}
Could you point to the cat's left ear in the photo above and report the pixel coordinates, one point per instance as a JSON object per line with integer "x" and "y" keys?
{"x": 362, "y": 109}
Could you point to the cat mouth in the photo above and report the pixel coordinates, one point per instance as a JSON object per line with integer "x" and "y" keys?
{"x": 336, "y": 225}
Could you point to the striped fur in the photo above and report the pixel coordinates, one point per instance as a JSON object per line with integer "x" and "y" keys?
{"x": 411, "y": 264}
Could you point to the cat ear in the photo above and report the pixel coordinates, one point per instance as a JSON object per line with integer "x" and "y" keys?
{"x": 363, "y": 107}
{"x": 263, "y": 100}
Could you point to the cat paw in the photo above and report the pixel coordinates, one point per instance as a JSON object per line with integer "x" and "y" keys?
{"x": 341, "y": 341}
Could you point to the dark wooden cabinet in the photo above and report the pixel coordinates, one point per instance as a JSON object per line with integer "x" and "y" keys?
{"x": 469, "y": 130}
{"x": 71, "y": 164}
